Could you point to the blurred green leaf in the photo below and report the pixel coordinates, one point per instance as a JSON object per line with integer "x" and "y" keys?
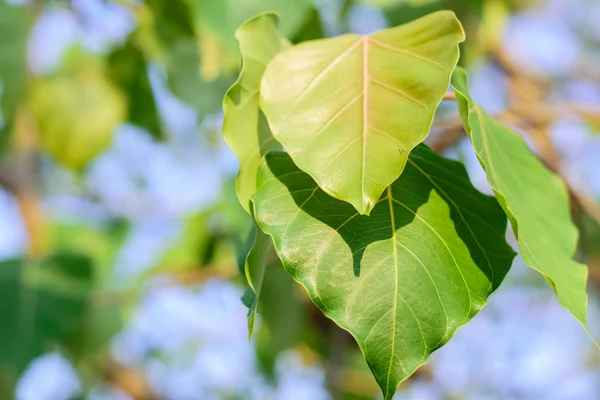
{"x": 128, "y": 70}
{"x": 101, "y": 243}
{"x": 77, "y": 113}
{"x": 106, "y": 314}
{"x": 245, "y": 129}
{"x": 172, "y": 19}
{"x": 401, "y": 280}
{"x": 535, "y": 200}
{"x": 283, "y": 313}
{"x": 403, "y": 11}
{"x": 41, "y": 306}
{"x": 180, "y": 48}
{"x": 311, "y": 29}
{"x": 224, "y": 16}
{"x": 392, "y": 3}
{"x": 333, "y": 103}
{"x": 183, "y": 69}
{"x": 190, "y": 251}
{"x": 13, "y": 67}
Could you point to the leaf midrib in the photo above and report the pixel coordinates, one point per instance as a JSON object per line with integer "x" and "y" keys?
{"x": 363, "y": 41}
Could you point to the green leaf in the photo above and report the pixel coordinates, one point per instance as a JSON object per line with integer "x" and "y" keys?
{"x": 401, "y": 280}
{"x": 350, "y": 109}
{"x": 255, "y": 267}
{"x": 244, "y": 128}
{"x": 128, "y": 70}
{"x": 13, "y": 69}
{"x": 535, "y": 200}
{"x": 41, "y": 305}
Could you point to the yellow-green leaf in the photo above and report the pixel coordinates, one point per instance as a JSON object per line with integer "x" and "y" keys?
{"x": 77, "y": 113}
{"x": 349, "y": 110}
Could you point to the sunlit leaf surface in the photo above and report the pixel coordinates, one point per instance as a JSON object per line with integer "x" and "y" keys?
{"x": 350, "y": 109}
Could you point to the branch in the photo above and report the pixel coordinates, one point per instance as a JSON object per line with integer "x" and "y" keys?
{"x": 21, "y": 182}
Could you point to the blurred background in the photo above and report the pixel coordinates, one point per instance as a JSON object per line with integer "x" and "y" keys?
{"x": 120, "y": 230}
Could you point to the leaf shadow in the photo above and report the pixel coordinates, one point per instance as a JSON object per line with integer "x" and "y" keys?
{"x": 409, "y": 193}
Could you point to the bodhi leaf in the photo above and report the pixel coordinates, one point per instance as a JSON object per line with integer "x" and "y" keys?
{"x": 349, "y": 110}
{"x": 244, "y": 128}
{"x": 535, "y": 200}
{"x": 401, "y": 280}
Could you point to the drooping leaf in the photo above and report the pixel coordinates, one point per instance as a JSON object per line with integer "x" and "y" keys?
{"x": 248, "y": 135}
{"x": 255, "y": 269}
{"x": 401, "y": 280}
{"x": 244, "y": 128}
{"x": 128, "y": 70}
{"x": 535, "y": 200}
{"x": 41, "y": 306}
{"x": 350, "y": 109}
{"x": 13, "y": 68}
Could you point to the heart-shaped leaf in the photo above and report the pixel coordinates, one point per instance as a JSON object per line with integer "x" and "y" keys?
{"x": 535, "y": 200}
{"x": 349, "y": 110}
{"x": 244, "y": 129}
{"x": 401, "y": 280}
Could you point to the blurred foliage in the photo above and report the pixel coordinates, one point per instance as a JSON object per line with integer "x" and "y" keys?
{"x": 77, "y": 112}
{"x": 43, "y": 305}
{"x": 71, "y": 298}
{"x": 127, "y": 69}
{"x": 14, "y": 23}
